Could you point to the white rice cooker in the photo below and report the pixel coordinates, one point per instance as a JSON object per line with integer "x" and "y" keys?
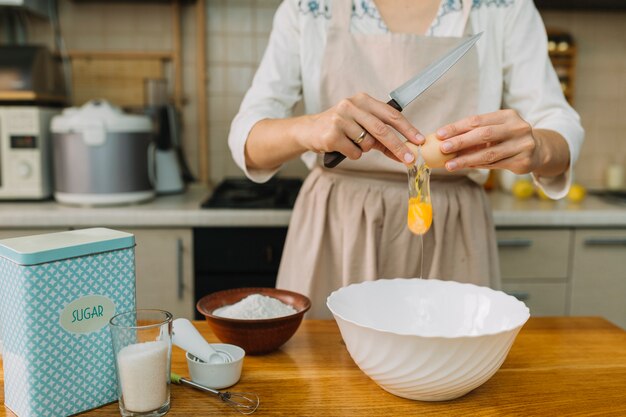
{"x": 102, "y": 156}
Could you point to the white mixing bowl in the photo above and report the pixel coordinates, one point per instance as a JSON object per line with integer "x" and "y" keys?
{"x": 427, "y": 340}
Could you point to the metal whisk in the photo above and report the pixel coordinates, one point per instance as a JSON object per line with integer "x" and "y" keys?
{"x": 244, "y": 402}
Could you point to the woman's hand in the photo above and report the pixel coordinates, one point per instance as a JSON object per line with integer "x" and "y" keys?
{"x": 503, "y": 140}
{"x": 337, "y": 128}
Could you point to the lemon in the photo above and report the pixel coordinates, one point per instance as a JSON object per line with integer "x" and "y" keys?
{"x": 523, "y": 189}
{"x": 542, "y": 195}
{"x": 576, "y": 193}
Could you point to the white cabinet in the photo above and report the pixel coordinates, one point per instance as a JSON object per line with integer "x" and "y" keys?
{"x": 9, "y": 233}
{"x": 164, "y": 270}
{"x": 541, "y": 298}
{"x": 163, "y": 263}
{"x": 535, "y": 267}
{"x": 563, "y": 271}
{"x": 534, "y": 254}
{"x": 599, "y": 275}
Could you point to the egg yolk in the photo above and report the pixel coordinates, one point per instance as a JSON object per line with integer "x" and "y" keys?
{"x": 420, "y": 216}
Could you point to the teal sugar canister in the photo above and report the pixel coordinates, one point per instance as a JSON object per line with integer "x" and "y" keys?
{"x": 57, "y": 294}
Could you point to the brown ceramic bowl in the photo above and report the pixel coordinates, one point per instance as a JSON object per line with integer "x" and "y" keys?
{"x": 255, "y": 336}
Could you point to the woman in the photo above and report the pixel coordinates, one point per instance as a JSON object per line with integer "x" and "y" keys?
{"x": 500, "y": 107}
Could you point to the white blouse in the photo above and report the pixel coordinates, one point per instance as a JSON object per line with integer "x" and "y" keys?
{"x": 513, "y": 74}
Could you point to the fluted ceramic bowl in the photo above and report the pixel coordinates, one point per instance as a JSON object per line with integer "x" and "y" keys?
{"x": 427, "y": 340}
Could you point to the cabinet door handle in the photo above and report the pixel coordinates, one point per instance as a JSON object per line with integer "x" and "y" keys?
{"x": 514, "y": 243}
{"x": 605, "y": 241}
{"x": 522, "y": 296}
{"x": 179, "y": 269}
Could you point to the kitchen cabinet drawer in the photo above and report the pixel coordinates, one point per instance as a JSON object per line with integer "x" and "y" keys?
{"x": 599, "y": 275}
{"x": 236, "y": 249}
{"x": 164, "y": 270}
{"x": 543, "y": 299}
{"x": 534, "y": 253}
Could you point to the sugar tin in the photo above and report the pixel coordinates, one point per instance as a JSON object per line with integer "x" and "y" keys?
{"x": 57, "y": 294}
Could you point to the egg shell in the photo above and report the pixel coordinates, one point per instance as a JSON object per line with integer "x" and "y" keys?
{"x": 431, "y": 152}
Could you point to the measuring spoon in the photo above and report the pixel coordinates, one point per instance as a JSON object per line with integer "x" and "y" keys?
{"x": 187, "y": 337}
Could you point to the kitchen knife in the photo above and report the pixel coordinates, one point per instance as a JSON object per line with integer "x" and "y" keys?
{"x": 410, "y": 90}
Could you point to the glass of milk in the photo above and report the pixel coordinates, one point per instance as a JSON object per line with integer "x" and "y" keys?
{"x": 142, "y": 343}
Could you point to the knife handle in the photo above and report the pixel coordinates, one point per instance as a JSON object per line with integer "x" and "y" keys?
{"x": 332, "y": 159}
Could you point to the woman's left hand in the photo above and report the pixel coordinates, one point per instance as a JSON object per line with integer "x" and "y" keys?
{"x": 501, "y": 140}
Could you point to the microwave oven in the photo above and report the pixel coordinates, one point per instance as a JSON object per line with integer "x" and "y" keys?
{"x": 25, "y": 152}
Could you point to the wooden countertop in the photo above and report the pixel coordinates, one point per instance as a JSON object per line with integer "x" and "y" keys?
{"x": 557, "y": 366}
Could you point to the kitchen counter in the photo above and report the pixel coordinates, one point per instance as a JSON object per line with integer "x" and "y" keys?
{"x": 184, "y": 211}
{"x": 557, "y": 366}
{"x": 593, "y": 211}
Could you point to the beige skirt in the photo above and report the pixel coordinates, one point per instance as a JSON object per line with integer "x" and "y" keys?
{"x": 348, "y": 227}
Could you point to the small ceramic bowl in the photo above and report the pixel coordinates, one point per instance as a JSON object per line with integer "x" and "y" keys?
{"x": 217, "y": 375}
{"x": 256, "y": 336}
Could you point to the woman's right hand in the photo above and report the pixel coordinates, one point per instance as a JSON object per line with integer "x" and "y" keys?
{"x": 336, "y": 129}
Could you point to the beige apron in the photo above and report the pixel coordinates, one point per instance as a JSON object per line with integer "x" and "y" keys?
{"x": 349, "y": 223}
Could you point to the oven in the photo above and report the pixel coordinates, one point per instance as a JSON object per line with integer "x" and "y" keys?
{"x": 234, "y": 257}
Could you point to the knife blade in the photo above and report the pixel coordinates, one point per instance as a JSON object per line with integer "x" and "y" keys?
{"x": 411, "y": 89}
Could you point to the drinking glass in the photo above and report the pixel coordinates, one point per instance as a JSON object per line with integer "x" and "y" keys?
{"x": 142, "y": 344}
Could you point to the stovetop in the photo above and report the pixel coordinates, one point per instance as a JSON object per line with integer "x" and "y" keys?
{"x": 616, "y": 196}
{"x": 277, "y": 193}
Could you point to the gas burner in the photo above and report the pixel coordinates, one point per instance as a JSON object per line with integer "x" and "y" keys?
{"x": 277, "y": 193}
{"x": 618, "y": 196}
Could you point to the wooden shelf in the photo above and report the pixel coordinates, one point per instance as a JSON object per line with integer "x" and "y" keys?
{"x": 31, "y": 96}
{"x": 161, "y": 55}
{"x": 570, "y": 52}
{"x": 563, "y": 53}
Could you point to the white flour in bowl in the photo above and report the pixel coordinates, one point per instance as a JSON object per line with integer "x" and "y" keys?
{"x": 255, "y": 306}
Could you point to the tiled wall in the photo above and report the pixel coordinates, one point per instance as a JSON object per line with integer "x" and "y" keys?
{"x": 237, "y": 32}
{"x": 600, "y": 88}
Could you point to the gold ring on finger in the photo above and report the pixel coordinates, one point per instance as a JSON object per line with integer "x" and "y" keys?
{"x": 360, "y": 138}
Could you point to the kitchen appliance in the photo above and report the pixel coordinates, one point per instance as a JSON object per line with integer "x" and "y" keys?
{"x": 25, "y": 152}
{"x": 40, "y": 7}
{"x": 30, "y": 74}
{"x": 410, "y": 90}
{"x": 167, "y": 159}
{"x": 31, "y": 85}
{"x": 102, "y": 156}
{"x": 57, "y": 294}
{"x": 241, "y": 193}
{"x": 226, "y": 257}
{"x": 611, "y": 196}
{"x": 171, "y": 170}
